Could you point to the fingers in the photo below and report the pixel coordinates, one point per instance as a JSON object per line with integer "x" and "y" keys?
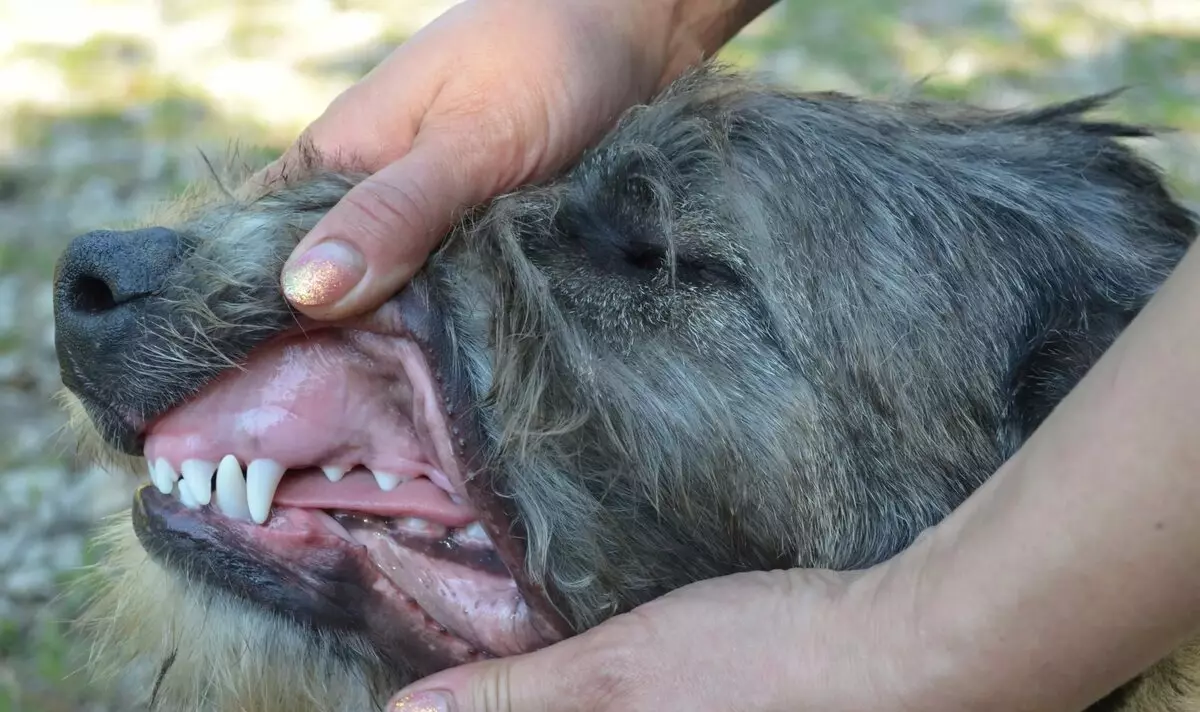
{"x": 494, "y": 686}
{"x": 379, "y": 234}
{"x": 577, "y": 675}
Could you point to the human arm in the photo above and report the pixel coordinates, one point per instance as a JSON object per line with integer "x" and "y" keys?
{"x": 1078, "y": 564}
{"x": 491, "y": 95}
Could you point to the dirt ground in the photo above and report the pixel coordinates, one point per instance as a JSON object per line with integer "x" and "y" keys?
{"x": 105, "y": 106}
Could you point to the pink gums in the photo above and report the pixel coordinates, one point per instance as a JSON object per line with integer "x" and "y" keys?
{"x": 348, "y": 399}
{"x": 356, "y": 399}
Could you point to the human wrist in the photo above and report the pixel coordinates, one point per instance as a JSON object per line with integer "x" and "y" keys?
{"x": 909, "y": 646}
{"x": 970, "y": 615}
{"x": 941, "y": 637}
{"x": 694, "y": 30}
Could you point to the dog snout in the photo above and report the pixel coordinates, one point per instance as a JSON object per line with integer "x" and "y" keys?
{"x": 102, "y": 283}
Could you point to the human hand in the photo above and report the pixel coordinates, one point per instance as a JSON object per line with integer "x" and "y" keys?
{"x": 781, "y": 640}
{"x": 491, "y": 95}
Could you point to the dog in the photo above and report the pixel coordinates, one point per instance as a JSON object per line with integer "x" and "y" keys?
{"x": 751, "y": 328}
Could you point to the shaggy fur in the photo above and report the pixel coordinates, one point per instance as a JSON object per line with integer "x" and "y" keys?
{"x": 750, "y": 329}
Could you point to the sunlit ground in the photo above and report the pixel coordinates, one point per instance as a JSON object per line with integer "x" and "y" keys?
{"x": 104, "y": 105}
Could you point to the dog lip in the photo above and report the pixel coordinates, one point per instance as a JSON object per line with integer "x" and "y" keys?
{"x": 125, "y": 431}
{"x": 414, "y": 307}
{"x": 129, "y": 430}
{"x": 406, "y": 315}
{"x": 338, "y": 589}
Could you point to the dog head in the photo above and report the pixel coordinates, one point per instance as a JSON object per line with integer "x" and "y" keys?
{"x": 750, "y": 329}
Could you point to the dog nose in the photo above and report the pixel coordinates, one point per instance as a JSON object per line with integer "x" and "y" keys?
{"x": 101, "y": 284}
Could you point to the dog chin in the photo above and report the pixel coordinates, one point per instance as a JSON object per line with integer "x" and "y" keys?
{"x": 182, "y": 644}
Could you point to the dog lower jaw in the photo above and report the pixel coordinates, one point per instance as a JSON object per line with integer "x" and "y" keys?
{"x": 429, "y": 599}
{"x": 168, "y": 643}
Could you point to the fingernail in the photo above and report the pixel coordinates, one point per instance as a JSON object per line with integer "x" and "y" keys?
{"x": 323, "y": 275}
{"x": 422, "y": 702}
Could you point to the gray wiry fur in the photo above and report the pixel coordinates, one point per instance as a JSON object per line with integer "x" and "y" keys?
{"x": 751, "y": 329}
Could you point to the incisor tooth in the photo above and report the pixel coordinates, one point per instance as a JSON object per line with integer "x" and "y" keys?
{"x": 262, "y": 478}
{"x": 386, "y": 480}
{"x": 334, "y": 473}
{"x": 197, "y": 474}
{"x": 188, "y": 499}
{"x": 230, "y": 497}
{"x": 163, "y": 475}
{"x": 152, "y": 468}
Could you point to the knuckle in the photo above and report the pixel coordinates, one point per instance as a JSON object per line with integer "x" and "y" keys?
{"x": 612, "y": 671}
{"x": 492, "y": 691}
{"x": 386, "y": 212}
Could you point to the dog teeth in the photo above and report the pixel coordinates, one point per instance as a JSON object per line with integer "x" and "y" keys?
{"x": 197, "y": 475}
{"x": 187, "y": 497}
{"x": 163, "y": 475}
{"x": 416, "y": 525}
{"x": 248, "y": 494}
{"x": 230, "y": 497}
{"x": 474, "y": 534}
{"x": 262, "y": 479}
{"x": 386, "y": 480}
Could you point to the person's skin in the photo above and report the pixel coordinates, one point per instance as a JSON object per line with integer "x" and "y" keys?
{"x": 492, "y": 95}
{"x": 1070, "y": 571}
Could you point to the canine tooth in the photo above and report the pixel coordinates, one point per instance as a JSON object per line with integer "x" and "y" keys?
{"x": 262, "y": 478}
{"x": 386, "y": 480}
{"x": 334, "y": 473}
{"x": 188, "y": 498}
{"x": 163, "y": 475}
{"x": 197, "y": 474}
{"x": 230, "y": 497}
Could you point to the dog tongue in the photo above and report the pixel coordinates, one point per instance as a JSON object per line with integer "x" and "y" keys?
{"x": 359, "y": 492}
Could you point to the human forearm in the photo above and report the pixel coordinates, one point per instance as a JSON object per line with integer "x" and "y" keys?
{"x": 1078, "y": 564}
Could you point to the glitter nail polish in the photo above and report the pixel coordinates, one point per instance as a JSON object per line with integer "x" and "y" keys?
{"x": 421, "y": 702}
{"x": 323, "y": 275}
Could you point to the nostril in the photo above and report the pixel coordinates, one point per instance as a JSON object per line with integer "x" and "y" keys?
{"x": 93, "y": 295}
{"x": 105, "y": 278}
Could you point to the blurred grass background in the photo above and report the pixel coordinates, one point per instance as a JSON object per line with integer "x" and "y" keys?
{"x": 105, "y": 104}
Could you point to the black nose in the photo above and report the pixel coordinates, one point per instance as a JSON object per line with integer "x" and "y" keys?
{"x": 102, "y": 282}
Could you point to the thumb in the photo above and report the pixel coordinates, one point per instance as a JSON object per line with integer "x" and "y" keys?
{"x": 379, "y": 234}
{"x": 554, "y": 679}
{"x": 492, "y": 686}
